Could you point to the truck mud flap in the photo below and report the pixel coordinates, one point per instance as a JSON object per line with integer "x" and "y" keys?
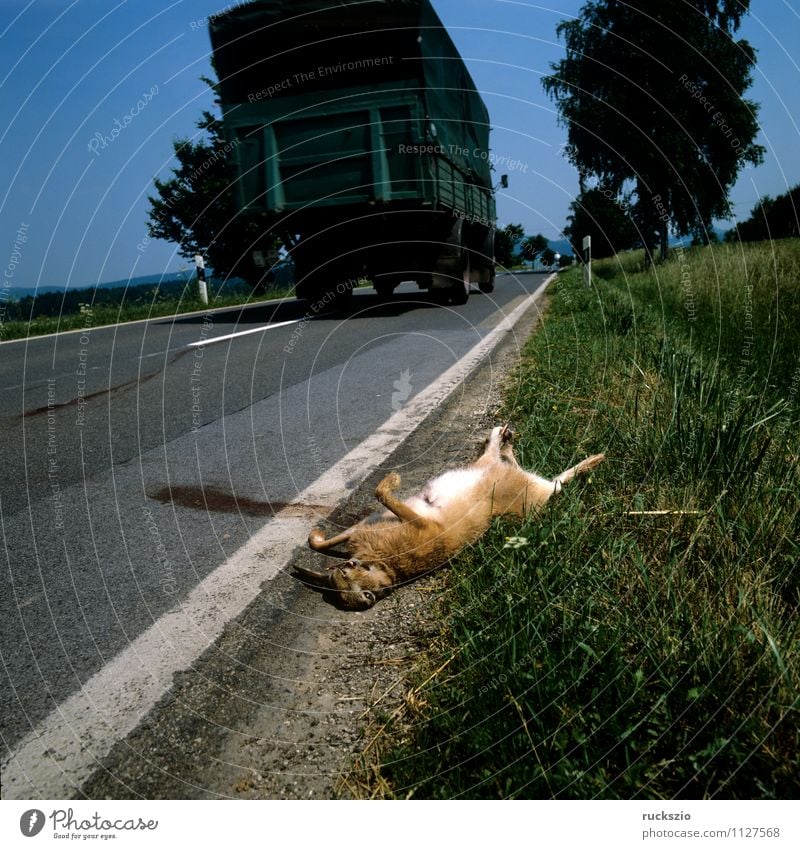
{"x": 449, "y": 264}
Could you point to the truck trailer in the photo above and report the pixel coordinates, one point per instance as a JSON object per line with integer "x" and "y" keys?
{"x": 360, "y": 141}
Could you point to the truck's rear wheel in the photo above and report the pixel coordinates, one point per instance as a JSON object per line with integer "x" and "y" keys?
{"x": 324, "y": 295}
{"x": 342, "y": 296}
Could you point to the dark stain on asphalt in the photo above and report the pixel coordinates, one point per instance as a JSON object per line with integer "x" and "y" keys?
{"x": 108, "y": 390}
{"x": 219, "y": 500}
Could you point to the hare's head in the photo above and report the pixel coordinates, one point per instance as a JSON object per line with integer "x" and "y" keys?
{"x": 357, "y": 585}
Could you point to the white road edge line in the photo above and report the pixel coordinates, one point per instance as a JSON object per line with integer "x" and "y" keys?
{"x": 56, "y": 757}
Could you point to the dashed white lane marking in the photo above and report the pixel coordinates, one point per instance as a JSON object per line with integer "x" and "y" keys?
{"x": 202, "y": 343}
{"x": 56, "y": 757}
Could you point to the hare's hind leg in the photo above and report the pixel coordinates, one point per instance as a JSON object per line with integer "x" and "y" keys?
{"x": 500, "y": 446}
{"x": 507, "y": 445}
{"x": 495, "y": 443}
{"x": 581, "y": 468}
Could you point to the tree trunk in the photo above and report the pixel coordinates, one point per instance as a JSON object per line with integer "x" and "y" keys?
{"x": 648, "y": 256}
{"x": 663, "y": 235}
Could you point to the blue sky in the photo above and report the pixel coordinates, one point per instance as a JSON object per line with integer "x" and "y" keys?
{"x": 94, "y": 91}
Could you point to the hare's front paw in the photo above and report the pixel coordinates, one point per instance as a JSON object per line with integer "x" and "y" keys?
{"x": 387, "y": 485}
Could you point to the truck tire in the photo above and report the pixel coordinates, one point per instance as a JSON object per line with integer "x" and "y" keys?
{"x": 325, "y": 295}
{"x": 341, "y": 296}
{"x": 487, "y": 287}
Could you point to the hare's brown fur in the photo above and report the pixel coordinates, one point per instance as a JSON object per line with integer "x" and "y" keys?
{"x": 424, "y": 531}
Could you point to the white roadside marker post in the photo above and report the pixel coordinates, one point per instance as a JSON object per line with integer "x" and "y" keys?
{"x": 201, "y": 278}
{"x": 587, "y": 260}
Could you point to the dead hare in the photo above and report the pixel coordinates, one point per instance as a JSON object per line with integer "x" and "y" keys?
{"x": 414, "y": 536}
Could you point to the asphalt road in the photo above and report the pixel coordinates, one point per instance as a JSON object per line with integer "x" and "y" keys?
{"x": 137, "y": 458}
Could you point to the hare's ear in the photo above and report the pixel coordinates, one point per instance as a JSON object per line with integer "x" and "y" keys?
{"x": 312, "y": 575}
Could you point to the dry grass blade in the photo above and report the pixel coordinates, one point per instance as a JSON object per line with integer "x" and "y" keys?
{"x": 530, "y": 739}
{"x": 664, "y": 512}
{"x": 400, "y": 708}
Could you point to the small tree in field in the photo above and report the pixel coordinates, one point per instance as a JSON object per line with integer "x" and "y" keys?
{"x": 771, "y": 218}
{"x": 534, "y": 246}
{"x": 505, "y": 240}
{"x": 607, "y": 221}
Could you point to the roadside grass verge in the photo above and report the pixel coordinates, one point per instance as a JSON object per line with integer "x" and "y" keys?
{"x": 738, "y": 304}
{"x": 600, "y": 650}
{"x": 156, "y": 306}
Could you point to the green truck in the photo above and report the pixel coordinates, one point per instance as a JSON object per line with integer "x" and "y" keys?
{"x": 360, "y": 142}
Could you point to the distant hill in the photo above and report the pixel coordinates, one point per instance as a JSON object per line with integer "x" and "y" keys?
{"x": 19, "y": 292}
{"x": 562, "y": 246}
{"x": 28, "y": 304}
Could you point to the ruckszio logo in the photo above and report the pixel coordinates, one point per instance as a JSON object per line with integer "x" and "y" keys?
{"x": 31, "y": 822}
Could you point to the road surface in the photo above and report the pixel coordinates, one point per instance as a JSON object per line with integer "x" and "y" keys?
{"x": 145, "y": 463}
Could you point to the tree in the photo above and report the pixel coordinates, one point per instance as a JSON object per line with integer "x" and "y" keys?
{"x": 196, "y": 209}
{"x": 651, "y": 93}
{"x": 771, "y": 218}
{"x": 609, "y": 223}
{"x": 533, "y": 246}
{"x": 505, "y": 240}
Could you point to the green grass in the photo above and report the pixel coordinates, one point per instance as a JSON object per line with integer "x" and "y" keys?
{"x": 718, "y": 299}
{"x": 98, "y": 315}
{"x": 615, "y": 654}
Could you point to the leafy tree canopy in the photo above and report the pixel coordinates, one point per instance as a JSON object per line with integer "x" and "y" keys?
{"x": 771, "y": 218}
{"x": 651, "y": 93}
{"x": 548, "y": 256}
{"x": 505, "y": 240}
{"x": 196, "y": 208}
{"x": 608, "y": 221}
{"x": 534, "y": 246}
